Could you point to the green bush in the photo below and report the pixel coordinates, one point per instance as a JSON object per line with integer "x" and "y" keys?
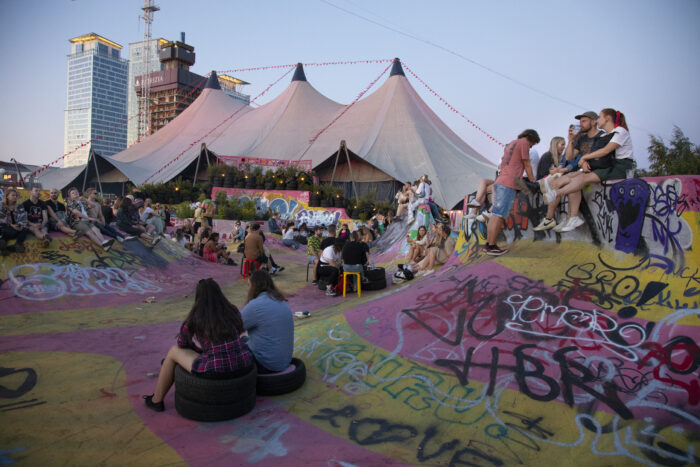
{"x": 183, "y": 210}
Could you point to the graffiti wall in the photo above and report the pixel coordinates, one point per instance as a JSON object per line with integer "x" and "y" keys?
{"x": 290, "y": 205}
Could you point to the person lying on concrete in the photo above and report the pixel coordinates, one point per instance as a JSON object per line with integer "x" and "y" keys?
{"x": 440, "y": 253}
{"x": 126, "y": 224}
{"x": 94, "y": 210}
{"x": 13, "y": 223}
{"x": 419, "y": 246}
{"x": 57, "y": 214}
{"x": 516, "y": 158}
{"x": 313, "y": 250}
{"x": 209, "y": 342}
{"x": 268, "y": 319}
{"x": 37, "y": 216}
{"x": 611, "y": 158}
{"x": 329, "y": 266}
{"x": 79, "y": 220}
{"x": 288, "y": 235}
{"x": 216, "y": 253}
{"x": 355, "y": 255}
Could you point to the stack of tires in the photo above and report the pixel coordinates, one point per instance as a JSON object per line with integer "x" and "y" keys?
{"x": 212, "y": 400}
{"x": 376, "y": 279}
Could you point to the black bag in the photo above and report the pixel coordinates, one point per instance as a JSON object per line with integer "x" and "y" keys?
{"x": 604, "y": 162}
{"x": 375, "y": 274}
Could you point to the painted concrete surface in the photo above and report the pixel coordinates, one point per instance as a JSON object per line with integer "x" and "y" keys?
{"x": 560, "y": 352}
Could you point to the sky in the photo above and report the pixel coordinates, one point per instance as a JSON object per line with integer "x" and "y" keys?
{"x": 506, "y": 65}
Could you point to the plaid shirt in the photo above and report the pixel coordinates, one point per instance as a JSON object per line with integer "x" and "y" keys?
{"x": 226, "y": 357}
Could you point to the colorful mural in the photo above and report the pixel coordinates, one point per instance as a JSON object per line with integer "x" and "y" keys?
{"x": 559, "y": 353}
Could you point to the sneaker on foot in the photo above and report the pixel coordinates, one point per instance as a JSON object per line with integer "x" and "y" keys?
{"x": 481, "y": 218}
{"x": 330, "y": 292}
{"x": 120, "y": 239}
{"x": 107, "y": 245}
{"x": 546, "y": 224}
{"x": 572, "y": 223}
{"x": 130, "y": 237}
{"x": 157, "y": 406}
{"x": 155, "y": 241}
{"x": 474, "y": 204}
{"x": 495, "y": 250}
{"x": 561, "y": 224}
{"x": 314, "y": 281}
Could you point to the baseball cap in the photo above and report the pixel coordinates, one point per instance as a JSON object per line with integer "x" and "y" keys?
{"x": 590, "y": 114}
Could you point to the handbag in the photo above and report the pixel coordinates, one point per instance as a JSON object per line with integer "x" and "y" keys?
{"x": 606, "y": 161}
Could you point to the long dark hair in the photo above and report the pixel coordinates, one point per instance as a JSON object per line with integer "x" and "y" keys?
{"x": 212, "y": 318}
{"x": 531, "y": 136}
{"x": 260, "y": 281}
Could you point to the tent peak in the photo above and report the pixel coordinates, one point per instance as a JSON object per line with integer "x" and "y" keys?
{"x": 397, "y": 69}
{"x": 212, "y": 81}
{"x": 299, "y": 73}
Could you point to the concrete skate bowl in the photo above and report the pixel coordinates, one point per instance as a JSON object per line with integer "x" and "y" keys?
{"x": 560, "y": 352}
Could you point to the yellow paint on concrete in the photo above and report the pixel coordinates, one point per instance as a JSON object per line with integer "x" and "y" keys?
{"x": 76, "y": 424}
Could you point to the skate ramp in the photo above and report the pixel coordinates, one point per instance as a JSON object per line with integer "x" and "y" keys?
{"x": 561, "y": 352}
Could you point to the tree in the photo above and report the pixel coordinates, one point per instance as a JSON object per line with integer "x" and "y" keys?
{"x": 681, "y": 157}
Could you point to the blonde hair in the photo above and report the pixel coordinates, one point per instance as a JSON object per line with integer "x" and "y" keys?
{"x": 4, "y": 197}
{"x": 556, "y": 155}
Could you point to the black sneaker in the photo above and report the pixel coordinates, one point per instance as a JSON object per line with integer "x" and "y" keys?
{"x": 495, "y": 250}
{"x": 157, "y": 406}
{"x": 314, "y": 281}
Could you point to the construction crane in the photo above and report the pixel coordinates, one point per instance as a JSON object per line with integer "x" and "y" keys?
{"x": 149, "y": 8}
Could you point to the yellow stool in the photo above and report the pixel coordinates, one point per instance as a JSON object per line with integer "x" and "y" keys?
{"x": 359, "y": 282}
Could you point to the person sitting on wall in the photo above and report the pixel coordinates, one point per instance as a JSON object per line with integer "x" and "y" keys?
{"x": 94, "y": 210}
{"x": 238, "y": 233}
{"x": 403, "y": 197}
{"x": 313, "y": 250}
{"x": 125, "y": 222}
{"x": 209, "y": 342}
{"x": 344, "y": 232}
{"x": 57, "y": 214}
{"x": 419, "y": 246}
{"x": 37, "y": 217}
{"x": 440, "y": 253}
{"x": 288, "y": 236}
{"x": 13, "y": 222}
{"x": 355, "y": 255}
{"x": 483, "y": 190}
{"x": 133, "y": 212}
{"x": 329, "y": 266}
{"x": 268, "y": 319}
{"x": 216, "y": 253}
{"x": 273, "y": 224}
{"x": 80, "y": 221}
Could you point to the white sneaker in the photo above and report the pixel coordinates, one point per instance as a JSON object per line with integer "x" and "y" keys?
{"x": 474, "y": 204}
{"x": 546, "y": 224}
{"x": 572, "y": 224}
{"x": 481, "y": 218}
{"x": 561, "y": 224}
{"x": 330, "y": 292}
{"x": 487, "y": 215}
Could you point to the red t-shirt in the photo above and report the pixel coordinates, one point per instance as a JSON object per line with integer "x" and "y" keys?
{"x": 512, "y": 165}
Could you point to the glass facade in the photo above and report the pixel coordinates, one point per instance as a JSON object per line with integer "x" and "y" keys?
{"x": 97, "y": 101}
{"x": 137, "y": 67}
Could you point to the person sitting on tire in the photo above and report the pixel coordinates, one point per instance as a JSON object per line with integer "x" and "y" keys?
{"x": 216, "y": 324}
{"x": 329, "y": 266}
{"x": 269, "y": 322}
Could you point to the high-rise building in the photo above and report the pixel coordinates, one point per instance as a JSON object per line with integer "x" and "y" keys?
{"x": 229, "y": 85}
{"x": 137, "y": 67}
{"x": 96, "y": 102}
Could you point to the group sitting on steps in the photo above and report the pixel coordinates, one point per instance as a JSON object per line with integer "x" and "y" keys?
{"x": 602, "y": 150}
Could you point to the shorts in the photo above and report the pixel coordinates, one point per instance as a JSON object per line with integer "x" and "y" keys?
{"x": 503, "y": 198}
{"x": 311, "y": 259}
{"x": 617, "y": 171}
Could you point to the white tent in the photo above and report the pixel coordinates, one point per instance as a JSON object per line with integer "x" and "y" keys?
{"x": 282, "y": 128}
{"x": 205, "y": 116}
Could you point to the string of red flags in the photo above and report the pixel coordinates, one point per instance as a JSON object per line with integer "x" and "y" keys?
{"x": 447, "y": 104}
{"x": 309, "y": 64}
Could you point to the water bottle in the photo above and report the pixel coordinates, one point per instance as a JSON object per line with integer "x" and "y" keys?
{"x": 371, "y": 265}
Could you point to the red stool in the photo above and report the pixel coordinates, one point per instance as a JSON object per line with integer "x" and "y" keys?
{"x": 246, "y": 266}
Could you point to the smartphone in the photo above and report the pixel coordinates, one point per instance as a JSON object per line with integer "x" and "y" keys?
{"x": 576, "y": 128}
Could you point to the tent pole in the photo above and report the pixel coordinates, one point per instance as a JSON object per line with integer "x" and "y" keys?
{"x": 87, "y": 166}
{"x": 335, "y": 166}
{"x": 352, "y": 177}
{"x": 97, "y": 172}
{"x": 196, "y": 170}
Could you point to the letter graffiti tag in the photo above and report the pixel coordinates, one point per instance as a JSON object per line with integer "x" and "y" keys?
{"x": 44, "y": 281}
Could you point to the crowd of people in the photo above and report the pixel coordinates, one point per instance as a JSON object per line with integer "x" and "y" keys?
{"x": 600, "y": 149}
{"x": 126, "y": 218}
{"x": 413, "y": 195}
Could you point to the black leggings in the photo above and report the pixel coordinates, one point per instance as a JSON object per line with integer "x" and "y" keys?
{"x": 8, "y": 233}
{"x": 329, "y": 274}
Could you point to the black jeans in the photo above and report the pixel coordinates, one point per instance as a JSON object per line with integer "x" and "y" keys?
{"x": 329, "y": 274}
{"x": 8, "y": 233}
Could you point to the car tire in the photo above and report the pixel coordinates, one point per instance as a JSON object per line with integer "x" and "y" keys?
{"x": 275, "y": 384}
{"x": 208, "y": 391}
{"x": 201, "y": 412}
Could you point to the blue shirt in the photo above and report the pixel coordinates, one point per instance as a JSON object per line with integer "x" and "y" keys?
{"x": 270, "y": 327}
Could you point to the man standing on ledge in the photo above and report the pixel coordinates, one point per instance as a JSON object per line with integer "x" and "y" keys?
{"x": 516, "y": 158}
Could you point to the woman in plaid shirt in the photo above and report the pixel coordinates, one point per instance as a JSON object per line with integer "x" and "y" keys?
{"x": 209, "y": 342}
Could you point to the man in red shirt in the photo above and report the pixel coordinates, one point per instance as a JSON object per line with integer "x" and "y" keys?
{"x": 516, "y": 158}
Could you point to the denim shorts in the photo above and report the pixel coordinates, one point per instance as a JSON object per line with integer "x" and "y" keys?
{"x": 503, "y": 198}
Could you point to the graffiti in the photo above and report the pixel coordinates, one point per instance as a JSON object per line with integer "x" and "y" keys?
{"x": 260, "y": 437}
{"x": 629, "y": 199}
{"x": 10, "y": 389}
{"x": 313, "y": 217}
{"x": 44, "y": 281}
